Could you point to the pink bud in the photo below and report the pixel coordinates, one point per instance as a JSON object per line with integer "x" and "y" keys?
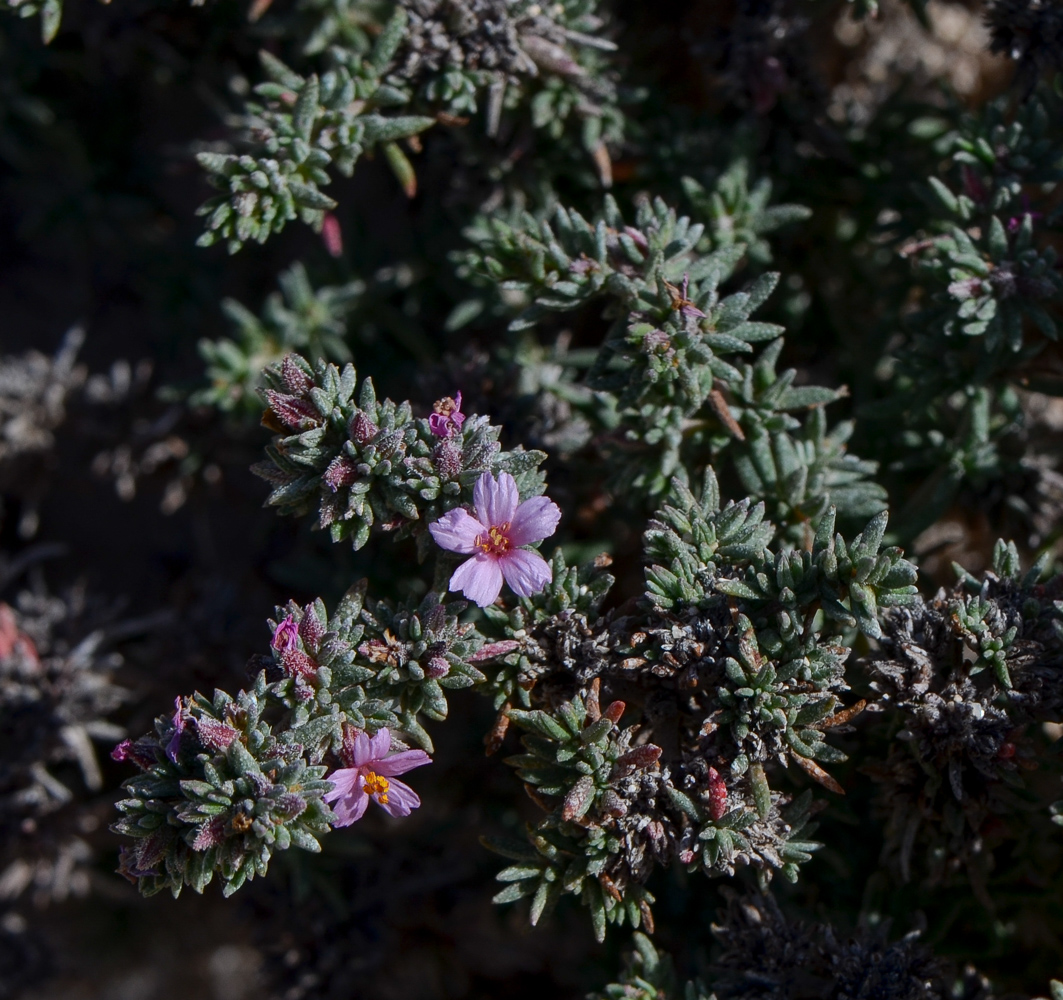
{"x": 295, "y": 380}
{"x": 437, "y": 667}
{"x": 298, "y": 665}
{"x": 493, "y": 649}
{"x": 717, "y": 795}
{"x": 331, "y": 235}
{"x": 362, "y": 429}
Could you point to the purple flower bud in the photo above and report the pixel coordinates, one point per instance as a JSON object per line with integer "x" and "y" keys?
{"x": 656, "y": 340}
{"x": 295, "y": 413}
{"x": 291, "y": 805}
{"x": 140, "y": 754}
{"x": 129, "y": 867}
{"x": 295, "y": 380}
{"x": 447, "y": 458}
{"x": 121, "y": 752}
{"x": 717, "y": 795}
{"x": 494, "y": 649}
{"x": 686, "y": 306}
{"x": 215, "y": 735}
{"x": 332, "y": 235}
{"x": 340, "y": 472}
{"x": 310, "y": 628}
{"x": 298, "y": 665}
{"x": 362, "y": 429}
{"x": 210, "y": 834}
{"x": 1016, "y": 221}
{"x": 437, "y": 667}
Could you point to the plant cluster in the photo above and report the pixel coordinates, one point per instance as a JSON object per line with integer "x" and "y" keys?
{"x": 431, "y": 61}
{"x": 678, "y": 402}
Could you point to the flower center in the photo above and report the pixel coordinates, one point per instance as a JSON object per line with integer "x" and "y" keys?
{"x": 377, "y": 784}
{"x": 495, "y": 541}
{"x": 445, "y": 406}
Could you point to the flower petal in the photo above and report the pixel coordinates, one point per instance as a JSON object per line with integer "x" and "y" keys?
{"x": 363, "y": 751}
{"x": 479, "y": 579}
{"x": 525, "y": 571}
{"x": 348, "y": 795}
{"x": 351, "y": 808}
{"x": 343, "y": 780}
{"x": 402, "y": 799}
{"x": 457, "y": 531}
{"x": 534, "y": 520}
{"x": 495, "y": 501}
{"x": 400, "y": 763}
{"x": 380, "y": 745}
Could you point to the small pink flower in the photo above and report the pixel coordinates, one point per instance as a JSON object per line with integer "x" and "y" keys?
{"x": 286, "y": 634}
{"x": 494, "y": 539}
{"x": 370, "y": 774}
{"x": 446, "y": 418}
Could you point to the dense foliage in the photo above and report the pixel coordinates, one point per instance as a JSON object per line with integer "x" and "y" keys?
{"x": 661, "y": 398}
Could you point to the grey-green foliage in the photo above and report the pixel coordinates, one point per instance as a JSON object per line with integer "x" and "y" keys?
{"x": 373, "y": 664}
{"x": 547, "y": 62}
{"x": 219, "y": 792}
{"x": 354, "y": 461}
{"x": 296, "y": 318}
{"x": 783, "y": 664}
{"x": 990, "y": 273}
{"x": 672, "y": 365}
{"x": 574, "y": 593}
{"x": 574, "y": 761}
{"x": 650, "y": 975}
{"x": 428, "y": 62}
{"x": 967, "y": 676}
{"x": 992, "y": 281}
{"x": 985, "y": 277}
{"x": 227, "y": 781}
{"x": 756, "y": 632}
{"x": 303, "y": 127}
{"x": 789, "y": 455}
{"x": 734, "y": 213}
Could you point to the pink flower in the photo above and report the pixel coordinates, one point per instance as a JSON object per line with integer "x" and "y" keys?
{"x": 494, "y": 539}
{"x": 286, "y": 634}
{"x": 446, "y": 418}
{"x": 370, "y": 774}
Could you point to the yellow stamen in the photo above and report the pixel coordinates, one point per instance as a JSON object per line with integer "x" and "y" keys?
{"x": 445, "y": 406}
{"x": 377, "y": 784}
{"x": 495, "y": 541}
